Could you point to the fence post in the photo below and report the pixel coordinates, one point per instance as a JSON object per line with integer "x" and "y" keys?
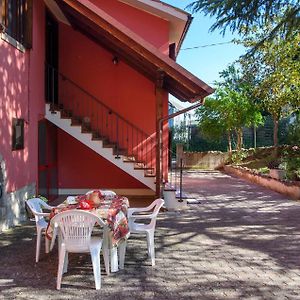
{"x": 180, "y": 181}
{"x": 179, "y": 154}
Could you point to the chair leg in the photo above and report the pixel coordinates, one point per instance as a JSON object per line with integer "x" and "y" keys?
{"x": 38, "y": 244}
{"x": 150, "y": 242}
{"x": 114, "y": 259}
{"x": 47, "y": 245}
{"x": 66, "y": 259}
{"x": 105, "y": 252}
{"x": 96, "y": 267}
{"x": 61, "y": 259}
{"x": 122, "y": 251}
{"x": 66, "y": 263}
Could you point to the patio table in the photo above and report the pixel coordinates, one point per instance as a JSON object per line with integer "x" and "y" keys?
{"x": 113, "y": 210}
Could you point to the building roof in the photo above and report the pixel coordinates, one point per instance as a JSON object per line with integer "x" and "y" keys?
{"x": 178, "y": 19}
{"x": 134, "y": 50}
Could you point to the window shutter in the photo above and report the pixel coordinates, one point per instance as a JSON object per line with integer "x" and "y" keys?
{"x": 28, "y": 25}
{"x": 2, "y": 15}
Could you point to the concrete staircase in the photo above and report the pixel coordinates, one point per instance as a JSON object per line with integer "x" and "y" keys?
{"x": 76, "y": 127}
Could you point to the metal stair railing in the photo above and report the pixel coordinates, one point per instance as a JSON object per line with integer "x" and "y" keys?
{"x": 173, "y": 179}
{"x": 99, "y": 119}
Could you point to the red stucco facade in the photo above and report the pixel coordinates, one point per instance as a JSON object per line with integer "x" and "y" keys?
{"x": 122, "y": 88}
{"x": 22, "y": 96}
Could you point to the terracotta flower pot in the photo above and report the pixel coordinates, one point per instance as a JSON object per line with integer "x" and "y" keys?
{"x": 277, "y": 174}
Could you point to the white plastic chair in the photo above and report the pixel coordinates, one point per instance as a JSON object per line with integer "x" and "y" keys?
{"x": 36, "y": 206}
{"x": 76, "y": 228}
{"x": 149, "y": 212}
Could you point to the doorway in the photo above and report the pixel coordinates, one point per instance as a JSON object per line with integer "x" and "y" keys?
{"x": 51, "y": 69}
{"x": 47, "y": 158}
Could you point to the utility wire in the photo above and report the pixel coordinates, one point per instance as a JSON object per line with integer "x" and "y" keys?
{"x": 209, "y": 45}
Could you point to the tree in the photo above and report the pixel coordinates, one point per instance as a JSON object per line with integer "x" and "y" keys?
{"x": 211, "y": 123}
{"x": 241, "y": 16}
{"x": 294, "y": 130}
{"x": 230, "y": 110}
{"x": 275, "y": 66}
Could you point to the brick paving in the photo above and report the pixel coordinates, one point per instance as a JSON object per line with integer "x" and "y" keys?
{"x": 240, "y": 241}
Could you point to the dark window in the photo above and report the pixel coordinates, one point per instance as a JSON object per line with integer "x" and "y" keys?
{"x": 16, "y": 20}
{"x": 18, "y": 134}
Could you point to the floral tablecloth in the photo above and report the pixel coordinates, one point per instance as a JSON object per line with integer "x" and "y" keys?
{"x": 112, "y": 210}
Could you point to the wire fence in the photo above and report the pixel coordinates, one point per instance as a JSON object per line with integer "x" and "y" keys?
{"x": 252, "y": 137}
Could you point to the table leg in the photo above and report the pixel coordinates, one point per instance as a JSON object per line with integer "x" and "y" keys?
{"x": 114, "y": 259}
{"x": 122, "y": 251}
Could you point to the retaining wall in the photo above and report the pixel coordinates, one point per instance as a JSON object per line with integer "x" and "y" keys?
{"x": 289, "y": 188}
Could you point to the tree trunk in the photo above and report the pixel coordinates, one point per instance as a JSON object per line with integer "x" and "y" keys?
{"x": 275, "y": 134}
{"x": 229, "y": 142}
{"x": 275, "y": 131}
{"x": 239, "y": 134}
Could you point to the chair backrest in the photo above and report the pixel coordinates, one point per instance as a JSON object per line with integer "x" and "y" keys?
{"x": 36, "y": 206}
{"x": 76, "y": 227}
{"x": 156, "y": 205}
{"x": 149, "y": 212}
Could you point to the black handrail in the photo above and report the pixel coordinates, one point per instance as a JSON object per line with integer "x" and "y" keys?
{"x": 100, "y": 119}
{"x": 94, "y": 97}
{"x": 174, "y": 179}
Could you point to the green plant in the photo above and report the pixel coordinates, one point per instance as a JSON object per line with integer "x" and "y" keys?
{"x": 238, "y": 156}
{"x": 39, "y": 196}
{"x": 263, "y": 170}
{"x": 293, "y": 167}
{"x": 275, "y": 164}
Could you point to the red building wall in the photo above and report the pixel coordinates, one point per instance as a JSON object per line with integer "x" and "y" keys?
{"x": 21, "y": 96}
{"x": 122, "y": 88}
{"x": 119, "y": 86}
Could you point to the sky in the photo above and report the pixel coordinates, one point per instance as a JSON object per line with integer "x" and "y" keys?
{"x": 205, "y": 62}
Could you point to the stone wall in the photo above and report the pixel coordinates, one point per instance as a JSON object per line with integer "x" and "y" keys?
{"x": 289, "y": 188}
{"x": 12, "y": 205}
{"x": 211, "y": 160}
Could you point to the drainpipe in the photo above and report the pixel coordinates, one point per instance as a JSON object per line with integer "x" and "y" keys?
{"x": 160, "y": 125}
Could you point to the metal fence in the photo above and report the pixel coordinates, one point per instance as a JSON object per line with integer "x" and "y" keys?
{"x": 252, "y": 137}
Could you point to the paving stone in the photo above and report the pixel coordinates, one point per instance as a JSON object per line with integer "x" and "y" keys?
{"x": 240, "y": 242}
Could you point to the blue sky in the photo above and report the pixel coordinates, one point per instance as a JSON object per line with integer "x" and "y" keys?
{"x": 205, "y": 63}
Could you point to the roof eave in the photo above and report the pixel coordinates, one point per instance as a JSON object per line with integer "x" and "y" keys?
{"x": 141, "y": 55}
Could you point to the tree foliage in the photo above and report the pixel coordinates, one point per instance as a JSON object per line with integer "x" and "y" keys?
{"x": 230, "y": 110}
{"x": 275, "y": 69}
{"x": 241, "y": 16}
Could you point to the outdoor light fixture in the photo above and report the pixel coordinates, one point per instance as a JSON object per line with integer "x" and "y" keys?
{"x": 115, "y": 60}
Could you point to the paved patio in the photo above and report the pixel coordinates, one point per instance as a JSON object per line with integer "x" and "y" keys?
{"x": 240, "y": 242}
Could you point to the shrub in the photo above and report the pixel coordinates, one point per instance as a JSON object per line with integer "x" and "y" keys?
{"x": 274, "y": 164}
{"x": 264, "y": 170}
{"x": 293, "y": 167}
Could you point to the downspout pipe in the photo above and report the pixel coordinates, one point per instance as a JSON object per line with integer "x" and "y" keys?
{"x": 180, "y": 112}
{"x": 160, "y": 124}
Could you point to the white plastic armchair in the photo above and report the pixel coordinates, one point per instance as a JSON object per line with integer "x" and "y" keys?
{"x": 36, "y": 206}
{"x": 149, "y": 212}
{"x": 76, "y": 228}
